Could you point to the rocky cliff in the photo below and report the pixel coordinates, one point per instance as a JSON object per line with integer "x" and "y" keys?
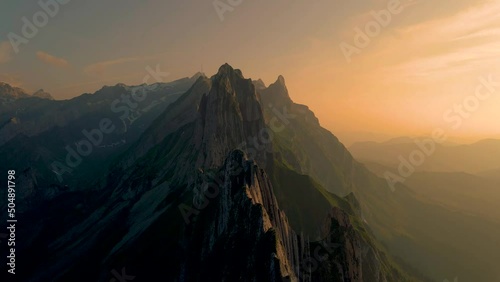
{"x": 194, "y": 199}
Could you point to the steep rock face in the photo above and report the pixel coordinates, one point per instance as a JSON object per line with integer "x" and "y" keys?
{"x": 346, "y": 254}
{"x": 250, "y": 238}
{"x": 304, "y": 145}
{"x": 247, "y": 234}
{"x": 161, "y": 167}
{"x": 345, "y": 262}
{"x": 201, "y": 128}
{"x": 309, "y": 149}
{"x": 238, "y": 234}
{"x": 230, "y": 114}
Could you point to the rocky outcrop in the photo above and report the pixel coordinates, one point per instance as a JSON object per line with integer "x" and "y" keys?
{"x": 259, "y": 84}
{"x": 248, "y": 234}
{"x": 305, "y": 145}
{"x": 42, "y": 94}
{"x": 231, "y": 117}
{"x": 235, "y": 230}
{"x": 345, "y": 261}
{"x": 214, "y": 117}
{"x": 10, "y": 93}
{"x": 251, "y": 239}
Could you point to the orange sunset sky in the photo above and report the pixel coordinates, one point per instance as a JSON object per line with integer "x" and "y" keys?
{"x": 427, "y": 59}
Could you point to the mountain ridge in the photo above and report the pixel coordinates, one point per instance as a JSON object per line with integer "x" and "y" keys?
{"x": 169, "y": 169}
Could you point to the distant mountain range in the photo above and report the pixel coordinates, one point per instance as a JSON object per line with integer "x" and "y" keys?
{"x": 8, "y": 94}
{"x": 463, "y": 179}
{"x": 216, "y": 179}
{"x": 476, "y": 158}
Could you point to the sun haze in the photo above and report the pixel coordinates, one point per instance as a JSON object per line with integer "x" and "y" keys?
{"x": 386, "y": 66}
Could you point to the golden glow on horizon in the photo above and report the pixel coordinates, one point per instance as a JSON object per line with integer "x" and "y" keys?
{"x": 407, "y": 78}
{"x": 427, "y": 59}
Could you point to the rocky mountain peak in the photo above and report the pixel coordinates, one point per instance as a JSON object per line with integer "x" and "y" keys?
{"x": 10, "y": 92}
{"x": 231, "y": 114}
{"x": 281, "y": 80}
{"x": 198, "y": 75}
{"x": 227, "y": 70}
{"x": 277, "y": 93}
{"x": 42, "y": 94}
{"x": 259, "y": 84}
{"x": 280, "y": 85}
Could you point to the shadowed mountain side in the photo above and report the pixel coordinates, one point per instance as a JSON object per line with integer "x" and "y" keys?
{"x": 158, "y": 208}
{"x": 414, "y": 229}
{"x": 44, "y": 136}
{"x": 303, "y": 144}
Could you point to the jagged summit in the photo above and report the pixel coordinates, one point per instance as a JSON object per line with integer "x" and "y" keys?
{"x": 277, "y": 93}
{"x": 198, "y": 75}
{"x": 40, "y": 93}
{"x": 281, "y": 80}
{"x": 231, "y": 111}
{"x": 230, "y": 81}
{"x": 8, "y": 91}
{"x": 236, "y": 173}
{"x": 259, "y": 84}
{"x": 225, "y": 69}
{"x": 228, "y": 70}
{"x": 108, "y": 87}
{"x": 280, "y": 83}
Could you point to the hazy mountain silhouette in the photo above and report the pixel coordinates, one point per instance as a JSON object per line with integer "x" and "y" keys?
{"x": 146, "y": 214}
{"x": 471, "y": 158}
{"x": 225, "y": 180}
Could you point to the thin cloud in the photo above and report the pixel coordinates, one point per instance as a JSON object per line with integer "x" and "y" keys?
{"x": 459, "y": 44}
{"x": 52, "y": 60}
{"x": 5, "y": 52}
{"x": 100, "y": 67}
{"x": 490, "y": 32}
